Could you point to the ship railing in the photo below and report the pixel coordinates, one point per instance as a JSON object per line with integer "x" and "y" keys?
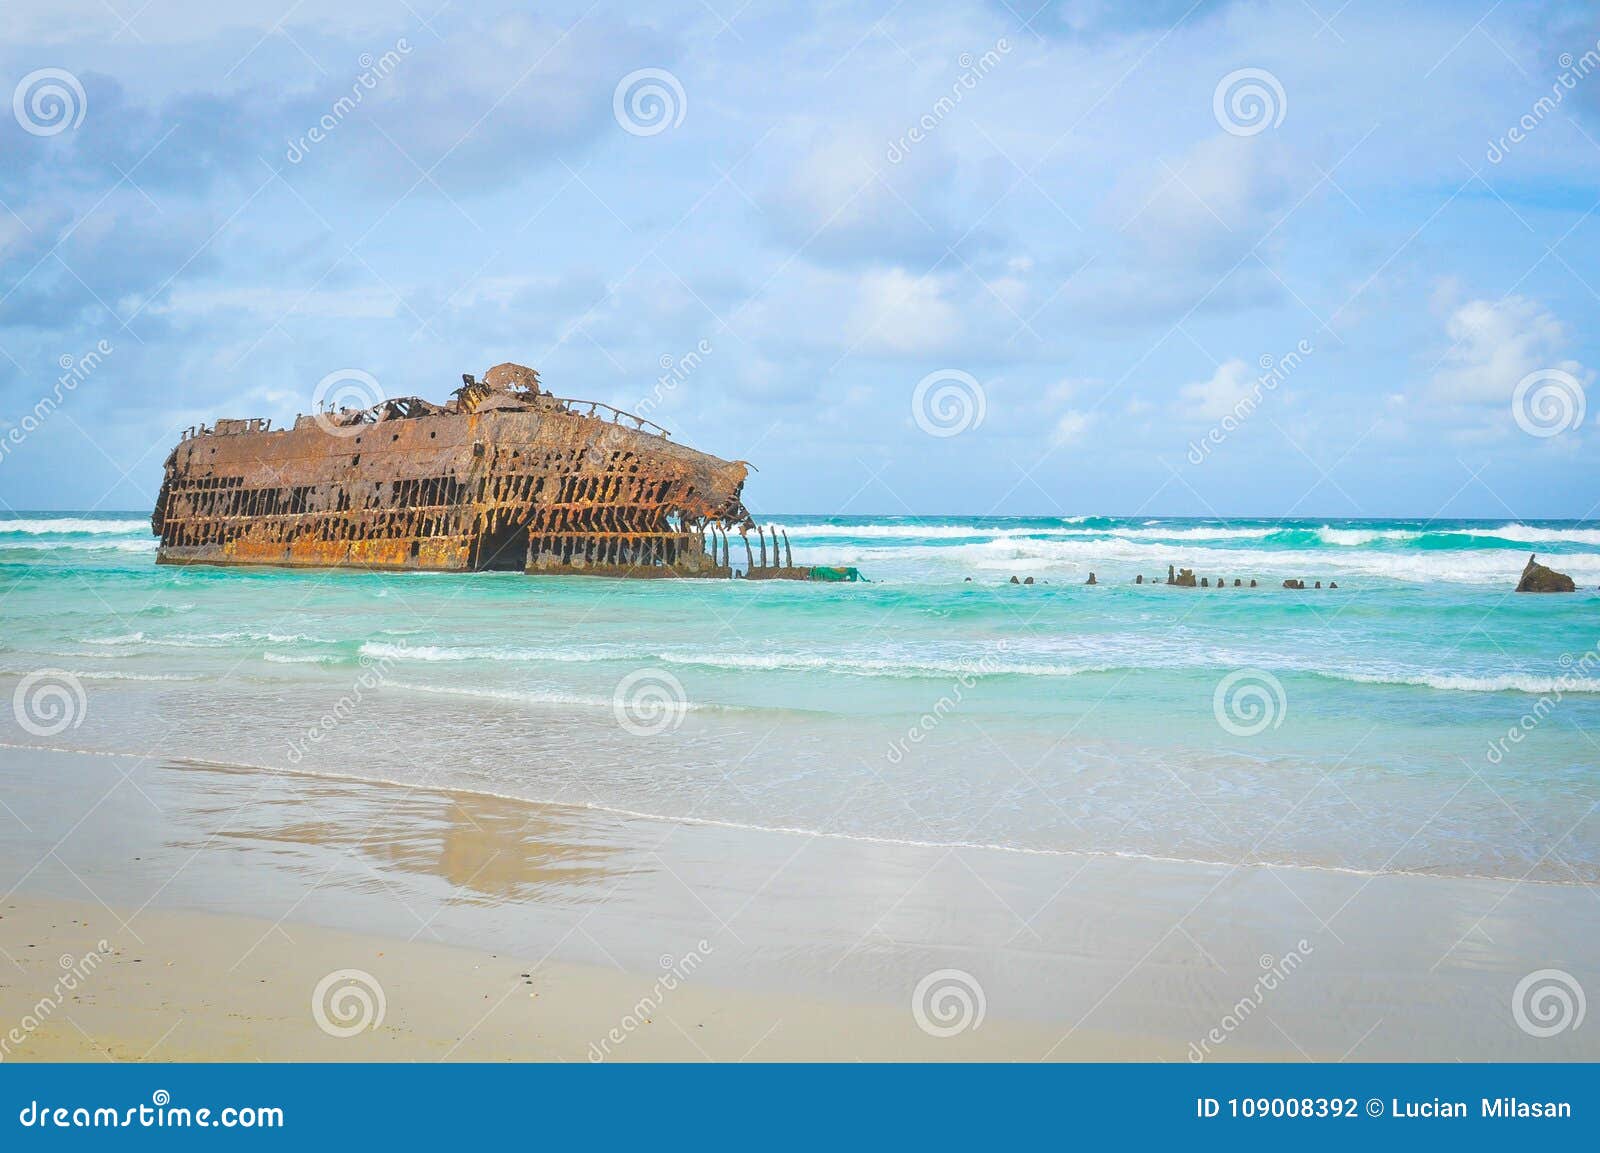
{"x": 599, "y": 408}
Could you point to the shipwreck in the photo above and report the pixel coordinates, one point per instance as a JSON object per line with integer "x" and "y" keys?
{"x": 503, "y": 476}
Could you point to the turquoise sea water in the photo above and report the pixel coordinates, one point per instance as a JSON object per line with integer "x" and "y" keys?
{"x": 1362, "y": 728}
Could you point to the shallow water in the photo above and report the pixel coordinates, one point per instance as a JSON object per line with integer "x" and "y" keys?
{"x": 1115, "y": 719}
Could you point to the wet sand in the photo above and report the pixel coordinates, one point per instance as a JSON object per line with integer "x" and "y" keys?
{"x": 497, "y": 929}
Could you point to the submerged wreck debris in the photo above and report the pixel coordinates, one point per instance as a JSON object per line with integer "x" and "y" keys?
{"x": 1538, "y": 578}
{"x": 503, "y": 476}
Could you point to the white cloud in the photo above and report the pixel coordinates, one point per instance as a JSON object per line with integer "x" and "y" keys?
{"x": 898, "y": 312}
{"x": 1071, "y": 425}
{"x": 1217, "y": 397}
{"x": 1494, "y": 344}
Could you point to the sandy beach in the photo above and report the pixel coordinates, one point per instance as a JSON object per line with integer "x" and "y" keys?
{"x": 492, "y": 929}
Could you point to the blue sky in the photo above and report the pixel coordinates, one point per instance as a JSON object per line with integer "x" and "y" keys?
{"x": 1061, "y": 220}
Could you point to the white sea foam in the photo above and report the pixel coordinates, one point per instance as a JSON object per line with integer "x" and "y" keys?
{"x": 859, "y": 665}
{"x": 208, "y": 640}
{"x": 535, "y": 696}
{"x": 299, "y": 658}
{"x": 913, "y": 532}
{"x": 15, "y": 544}
{"x": 1354, "y": 537}
{"x": 1502, "y": 683}
{"x": 1532, "y": 534}
{"x": 1072, "y": 558}
{"x": 68, "y": 525}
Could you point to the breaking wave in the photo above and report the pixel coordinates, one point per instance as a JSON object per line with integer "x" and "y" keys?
{"x": 72, "y": 526}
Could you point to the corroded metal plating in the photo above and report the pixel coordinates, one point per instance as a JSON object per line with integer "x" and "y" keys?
{"x": 503, "y": 476}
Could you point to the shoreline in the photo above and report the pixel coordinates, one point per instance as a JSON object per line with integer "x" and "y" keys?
{"x": 786, "y": 831}
{"x": 1070, "y": 957}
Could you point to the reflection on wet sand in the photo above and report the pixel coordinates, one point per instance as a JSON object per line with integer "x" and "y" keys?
{"x": 486, "y": 849}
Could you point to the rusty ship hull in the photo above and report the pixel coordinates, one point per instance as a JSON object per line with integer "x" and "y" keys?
{"x": 504, "y": 476}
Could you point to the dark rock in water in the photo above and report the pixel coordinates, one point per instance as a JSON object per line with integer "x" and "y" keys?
{"x": 1205, "y": 582}
{"x": 1252, "y": 582}
{"x": 1029, "y": 581}
{"x": 1319, "y": 584}
{"x": 1333, "y": 584}
{"x": 1237, "y": 582}
{"x": 1294, "y": 584}
{"x": 1015, "y": 581}
{"x": 967, "y": 581}
{"x": 1536, "y": 578}
{"x": 1139, "y": 580}
{"x": 1185, "y": 579}
{"x": 1091, "y": 580}
{"x": 1171, "y": 580}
